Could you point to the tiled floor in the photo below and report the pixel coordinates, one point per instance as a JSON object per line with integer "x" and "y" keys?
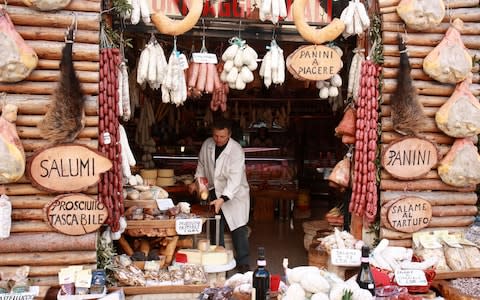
{"x": 283, "y": 239}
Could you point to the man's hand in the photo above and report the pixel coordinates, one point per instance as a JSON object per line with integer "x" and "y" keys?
{"x": 217, "y": 203}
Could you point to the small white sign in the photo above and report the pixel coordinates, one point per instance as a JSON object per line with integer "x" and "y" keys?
{"x": 208, "y": 58}
{"x": 410, "y": 278}
{"x": 164, "y": 204}
{"x": 188, "y": 226}
{"x": 346, "y": 257}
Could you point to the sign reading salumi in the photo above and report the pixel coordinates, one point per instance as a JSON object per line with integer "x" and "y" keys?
{"x": 314, "y": 62}
{"x": 409, "y": 158}
{"x": 409, "y": 214}
{"x": 75, "y": 214}
{"x": 67, "y": 168}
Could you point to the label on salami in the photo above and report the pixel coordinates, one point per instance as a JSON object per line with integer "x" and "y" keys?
{"x": 208, "y": 58}
{"x": 183, "y": 62}
{"x": 410, "y": 278}
{"x": 106, "y": 138}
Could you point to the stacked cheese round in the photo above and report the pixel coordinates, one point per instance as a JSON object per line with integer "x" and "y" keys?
{"x": 165, "y": 177}
{"x": 149, "y": 176}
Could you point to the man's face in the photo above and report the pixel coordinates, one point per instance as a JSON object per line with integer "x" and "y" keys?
{"x": 221, "y": 136}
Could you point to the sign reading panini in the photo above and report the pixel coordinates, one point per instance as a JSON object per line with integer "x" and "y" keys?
{"x": 315, "y": 62}
{"x": 75, "y": 214}
{"x": 410, "y": 158}
{"x": 409, "y": 214}
{"x": 67, "y": 168}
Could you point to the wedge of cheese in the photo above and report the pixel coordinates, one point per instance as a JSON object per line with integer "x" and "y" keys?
{"x": 194, "y": 256}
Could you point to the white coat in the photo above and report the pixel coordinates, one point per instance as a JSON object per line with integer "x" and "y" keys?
{"x": 227, "y": 175}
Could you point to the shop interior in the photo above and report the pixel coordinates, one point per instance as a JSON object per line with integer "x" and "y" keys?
{"x": 287, "y": 131}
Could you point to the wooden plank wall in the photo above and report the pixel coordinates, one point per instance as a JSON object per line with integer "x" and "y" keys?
{"x": 453, "y": 208}
{"x": 32, "y": 241}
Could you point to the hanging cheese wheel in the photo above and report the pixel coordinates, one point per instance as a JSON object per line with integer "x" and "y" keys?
{"x": 168, "y": 26}
{"x": 311, "y": 34}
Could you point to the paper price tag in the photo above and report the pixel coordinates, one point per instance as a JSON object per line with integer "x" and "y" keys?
{"x": 183, "y": 61}
{"x": 164, "y": 204}
{"x": 208, "y": 58}
{"x": 188, "y": 226}
{"x": 346, "y": 257}
{"x": 410, "y": 278}
{"x": 106, "y": 138}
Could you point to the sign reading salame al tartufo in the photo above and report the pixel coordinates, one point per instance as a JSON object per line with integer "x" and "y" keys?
{"x": 409, "y": 214}
{"x": 242, "y": 9}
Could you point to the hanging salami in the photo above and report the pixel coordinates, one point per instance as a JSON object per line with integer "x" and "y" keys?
{"x": 364, "y": 188}
{"x": 111, "y": 185}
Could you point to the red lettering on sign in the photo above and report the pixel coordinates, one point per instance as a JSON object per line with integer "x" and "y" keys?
{"x": 238, "y": 9}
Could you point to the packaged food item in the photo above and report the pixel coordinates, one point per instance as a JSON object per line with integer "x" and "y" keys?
{"x": 98, "y": 281}
{"x": 193, "y": 274}
{"x": 20, "y": 280}
{"x": 473, "y": 256}
{"x": 66, "y": 279}
{"x": 83, "y": 281}
{"x": 4, "y": 287}
{"x": 455, "y": 258}
{"x": 427, "y": 245}
{"x": 5, "y": 217}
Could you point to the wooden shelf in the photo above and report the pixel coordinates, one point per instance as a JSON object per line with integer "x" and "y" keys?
{"x": 457, "y": 274}
{"x": 166, "y": 289}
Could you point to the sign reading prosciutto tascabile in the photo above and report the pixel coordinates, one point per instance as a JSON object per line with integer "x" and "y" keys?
{"x": 67, "y": 168}
{"x": 75, "y": 214}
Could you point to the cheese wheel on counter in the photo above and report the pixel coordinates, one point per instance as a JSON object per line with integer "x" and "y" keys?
{"x": 168, "y": 181}
{"x": 148, "y": 173}
{"x": 165, "y": 173}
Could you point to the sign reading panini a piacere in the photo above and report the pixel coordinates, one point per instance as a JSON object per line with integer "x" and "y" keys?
{"x": 66, "y": 168}
{"x": 314, "y": 62}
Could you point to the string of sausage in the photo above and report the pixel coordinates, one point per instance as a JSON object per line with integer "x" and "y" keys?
{"x": 110, "y": 186}
{"x": 364, "y": 188}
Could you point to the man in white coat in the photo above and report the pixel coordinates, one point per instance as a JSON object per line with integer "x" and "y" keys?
{"x": 222, "y": 162}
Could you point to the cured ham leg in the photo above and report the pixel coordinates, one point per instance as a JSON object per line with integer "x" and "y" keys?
{"x": 12, "y": 162}
{"x": 449, "y": 61}
{"x": 460, "y": 115}
{"x": 18, "y": 59}
{"x": 461, "y": 166}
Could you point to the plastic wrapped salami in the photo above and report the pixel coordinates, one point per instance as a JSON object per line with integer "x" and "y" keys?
{"x": 5, "y": 217}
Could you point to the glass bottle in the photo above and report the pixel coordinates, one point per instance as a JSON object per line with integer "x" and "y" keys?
{"x": 365, "y": 276}
{"x": 261, "y": 277}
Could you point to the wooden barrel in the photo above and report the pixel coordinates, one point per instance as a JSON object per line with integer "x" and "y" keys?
{"x": 310, "y": 228}
{"x": 317, "y": 256}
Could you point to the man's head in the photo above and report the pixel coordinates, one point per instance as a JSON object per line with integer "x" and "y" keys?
{"x": 221, "y": 131}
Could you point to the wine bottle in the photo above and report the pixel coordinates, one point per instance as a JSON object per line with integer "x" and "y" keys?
{"x": 261, "y": 277}
{"x": 365, "y": 276}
